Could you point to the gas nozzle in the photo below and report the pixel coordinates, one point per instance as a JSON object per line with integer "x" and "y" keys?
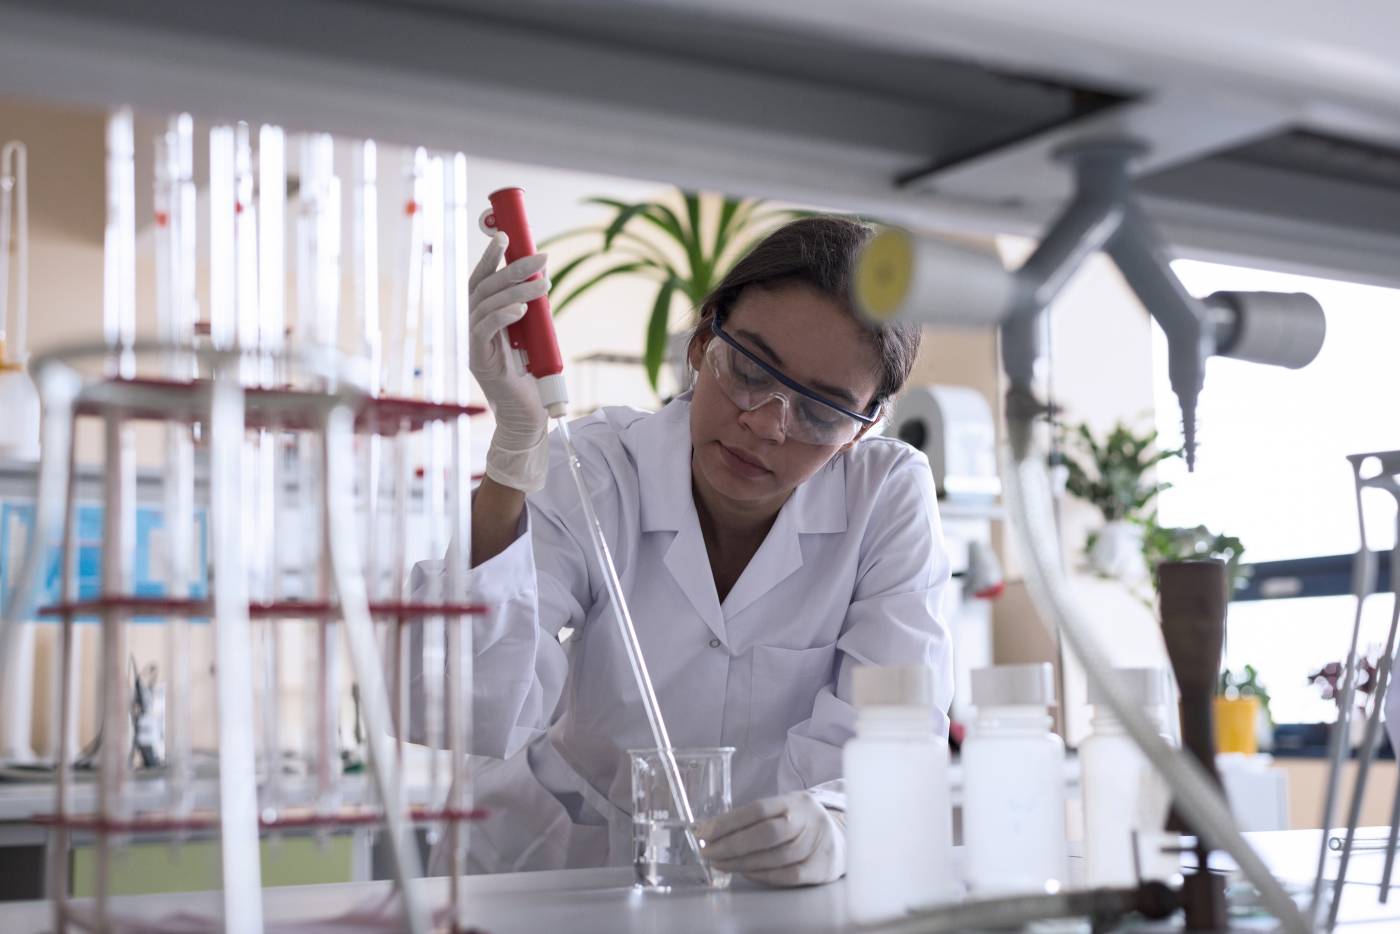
{"x": 1276, "y": 328}
{"x": 904, "y": 276}
{"x": 532, "y": 337}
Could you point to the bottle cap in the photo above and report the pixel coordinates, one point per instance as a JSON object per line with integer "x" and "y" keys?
{"x": 910, "y": 686}
{"x": 1150, "y": 687}
{"x": 1014, "y": 686}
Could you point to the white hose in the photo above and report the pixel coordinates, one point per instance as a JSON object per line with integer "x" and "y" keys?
{"x": 1029, "y": 497}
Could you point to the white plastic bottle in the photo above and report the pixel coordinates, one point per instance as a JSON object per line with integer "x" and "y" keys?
{"x": 1125, "y": 799}
{"x": 899, "y": 828}
{"x": 1014, "y": 784}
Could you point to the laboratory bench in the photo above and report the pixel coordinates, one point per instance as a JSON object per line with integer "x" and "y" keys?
{"x": 585, "y": 901}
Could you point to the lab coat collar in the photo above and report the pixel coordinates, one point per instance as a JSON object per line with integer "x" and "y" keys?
{"x": 661, "y": 446}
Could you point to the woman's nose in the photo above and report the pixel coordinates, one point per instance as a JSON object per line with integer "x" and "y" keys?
{"x": 767, "y": 420}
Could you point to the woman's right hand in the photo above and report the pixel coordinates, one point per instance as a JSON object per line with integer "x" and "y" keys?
{"x": 519, "y": 456}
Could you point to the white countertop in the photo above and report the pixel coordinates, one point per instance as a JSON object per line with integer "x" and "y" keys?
{"x": 603, "y": 901}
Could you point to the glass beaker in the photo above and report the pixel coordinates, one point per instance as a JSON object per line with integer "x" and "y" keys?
{"x": 663, "y": 857}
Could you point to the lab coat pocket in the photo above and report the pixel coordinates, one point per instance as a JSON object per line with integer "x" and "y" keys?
{"x": 784, "y": 689}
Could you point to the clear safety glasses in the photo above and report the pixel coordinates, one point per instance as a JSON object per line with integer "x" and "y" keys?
{"x": 750, "y": 383}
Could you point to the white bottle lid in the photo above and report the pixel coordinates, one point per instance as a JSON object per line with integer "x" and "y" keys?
{"x": 1150, "y": 687}
{"x": 908, "y": 686}
{"x": 1014, "y": 686}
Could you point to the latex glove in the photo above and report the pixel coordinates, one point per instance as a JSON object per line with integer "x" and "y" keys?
{"x": 787, "y": 839}
{"x": 519, "y": 454}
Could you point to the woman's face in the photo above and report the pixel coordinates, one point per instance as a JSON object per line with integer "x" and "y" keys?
{"x": 744, "y": 458}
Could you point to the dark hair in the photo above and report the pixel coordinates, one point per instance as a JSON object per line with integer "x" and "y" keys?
{"x": 820, "y": 253}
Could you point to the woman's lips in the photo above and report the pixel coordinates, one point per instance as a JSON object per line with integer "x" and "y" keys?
{"x": 740, "y": 463}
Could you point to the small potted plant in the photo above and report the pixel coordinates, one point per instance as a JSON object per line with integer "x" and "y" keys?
{"x": 1243, "y": 721}
{"x": 1328, "y": 680}
{"x": 1111, "y": 475}
{"x": 1165, "y": 543}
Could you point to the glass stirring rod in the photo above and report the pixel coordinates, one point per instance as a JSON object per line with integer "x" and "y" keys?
{"x": 634, "y": 653}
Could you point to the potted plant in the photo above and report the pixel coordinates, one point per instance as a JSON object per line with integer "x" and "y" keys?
{"x": 1244, "y": 722}
{"x": 684, "y": 243}
{"x": 1164, "y": 543}
{"x": 1328, "y": 680}
{"x": 1111, "y": 475}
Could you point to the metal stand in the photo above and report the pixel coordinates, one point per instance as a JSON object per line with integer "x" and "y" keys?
{"x": 1387, "y": 478}
{"x": 230, "y": 412}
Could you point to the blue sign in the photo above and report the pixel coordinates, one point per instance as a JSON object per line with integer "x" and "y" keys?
{"x": 17, "y": 524}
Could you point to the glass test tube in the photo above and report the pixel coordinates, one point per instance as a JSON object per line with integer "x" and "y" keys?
{"x": 177, "y": 329}
{"x": 67, "y": 698}
{"x": 457, "y": 265}
{"x": 318, "y": 280}
{"x": 434, "y": 479}
{"x": 223, "y": 265}
{"x": 14, "y": 230}
{"x": 365, "y": 244}
{"x": 272, "y": 195}
{"x": 403, "y": 334}
{"x": 119, "y": 486}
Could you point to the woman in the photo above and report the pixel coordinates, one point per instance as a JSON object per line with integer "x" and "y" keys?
{"x": 765, "y": 547}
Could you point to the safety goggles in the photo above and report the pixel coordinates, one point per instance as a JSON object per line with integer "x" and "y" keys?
{"x": 751, "y": 383}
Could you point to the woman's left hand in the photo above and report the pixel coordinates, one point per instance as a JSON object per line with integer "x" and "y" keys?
{"x": 787, "y": 839}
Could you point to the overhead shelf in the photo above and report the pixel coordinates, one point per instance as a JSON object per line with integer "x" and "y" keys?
{"x": 942, "y": 115}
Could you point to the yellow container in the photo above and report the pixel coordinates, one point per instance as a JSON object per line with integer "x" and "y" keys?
{"x": 1235, "y": 724}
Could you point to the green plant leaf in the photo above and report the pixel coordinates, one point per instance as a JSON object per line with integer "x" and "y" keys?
{"x": 655, "y": 240}
{"x": 1113, "y": 477}
{"x": 656, "y": 214}
{"x": 556, "y": 279}
{"x": 666, "y": 219}
{"x": 651, "y": 249}
{"x": 607, "y": 202}
{"x": 746, "y": 229}
{"x": 695, "y": 246}
{"x": 623, "y": 217}
{"x": 658, "y": 331}
{"x": 692, "y": 214}
{"x": 728, "y": 208}
{"x": 590, "y": 283}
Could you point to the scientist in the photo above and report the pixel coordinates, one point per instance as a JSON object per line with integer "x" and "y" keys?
{"x": 766, "y": 546}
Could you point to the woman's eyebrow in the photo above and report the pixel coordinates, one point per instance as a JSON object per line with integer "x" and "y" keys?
{"x": 762, "y": 345}
{"x": 836, "y": 392}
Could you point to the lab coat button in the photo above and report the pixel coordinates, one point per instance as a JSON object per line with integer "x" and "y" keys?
{"x": 714, "y": 643}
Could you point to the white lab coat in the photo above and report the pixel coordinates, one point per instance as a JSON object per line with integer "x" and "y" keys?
{"x": 852, "y": 571}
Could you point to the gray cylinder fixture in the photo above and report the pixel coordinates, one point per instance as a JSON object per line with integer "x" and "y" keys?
{"x": 1276, "y": 328}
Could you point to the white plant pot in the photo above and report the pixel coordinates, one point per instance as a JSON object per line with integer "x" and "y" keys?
{"x": 1117, "y": 552}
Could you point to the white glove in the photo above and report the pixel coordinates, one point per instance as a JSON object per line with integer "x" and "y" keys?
{"x": 787, "y": 839}
{"x": 519, "y": 453}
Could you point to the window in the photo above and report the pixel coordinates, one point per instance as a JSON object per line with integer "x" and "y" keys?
{"x": 1272, "y": 470}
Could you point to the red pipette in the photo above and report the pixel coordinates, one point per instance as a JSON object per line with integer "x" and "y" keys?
{"x": 532, "y": 337}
